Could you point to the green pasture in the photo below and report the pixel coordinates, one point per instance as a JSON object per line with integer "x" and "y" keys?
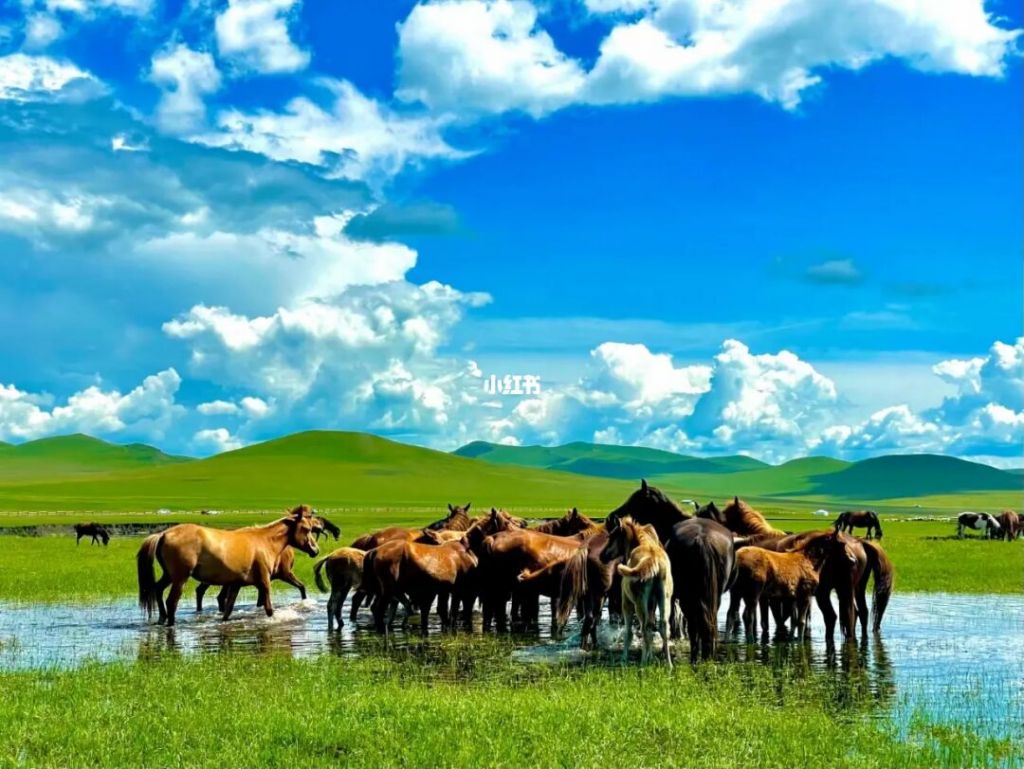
{"x": 468, "y": 705}
{"x": 927, "y": 555}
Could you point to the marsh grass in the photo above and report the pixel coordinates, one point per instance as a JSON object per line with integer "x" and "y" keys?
{"x": 468, "y": 706}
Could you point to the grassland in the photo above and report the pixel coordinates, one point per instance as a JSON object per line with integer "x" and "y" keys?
{"x": 927, "y": 555}
{"x": 465, "y": 707}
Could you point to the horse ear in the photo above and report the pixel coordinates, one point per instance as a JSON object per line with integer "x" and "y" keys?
{"x": 494, "y": 512}
{"x": 575, "y": 513}
{"x": 643, "y": 484}
{"x": 466, "y": 508}
{"x": 450, "y": 508}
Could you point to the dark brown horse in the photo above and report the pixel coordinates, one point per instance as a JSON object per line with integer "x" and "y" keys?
{"x": 703, "y": 561}
{"x": 864, "y": 519}
{"x": 456, "y": 520}
{"x": 1009, "y": 524}
{"x": 96, "y": 531}
{"x": 571, "y": 523}
{"x": 242, "y": 557}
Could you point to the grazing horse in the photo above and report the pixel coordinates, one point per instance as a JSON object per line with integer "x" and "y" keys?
{"x": 94, "y": 530}
{"x": 246, "y": 556}
{"x": 344, "y": 569}
{"x": 1009, "y": 524}
{"x": 786, "y": 581}
{"x": 456, "y": 520}
{"x": 741, "y": 518}
{"x": 864, "y": 519}
{"x": 413, "y": 573}
{"x": 979, "y": 522}
{"x": 571, "y": 523}
{"x": 703, "y": 561}
{"x": 646, "y": 583}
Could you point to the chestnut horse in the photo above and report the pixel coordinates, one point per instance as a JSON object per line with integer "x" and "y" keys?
{"x": 571, "y": 523}
{"x": 787, "y": 580}
{"x": 1009, "y": 524}
{"x": 864, "y": 519}
{"x": 96, "y": 531}
{"x": 344, "y": 569}
{"x": 741, "y": 518}
{"x": 703, "y": 561}
{"x": 413, "y": 573}
{"x": 456, "y": 520}
{"x": 243, "y": 557}
{"x": 646, "y": 583}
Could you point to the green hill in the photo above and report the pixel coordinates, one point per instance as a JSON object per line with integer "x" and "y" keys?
{"x": 73, "y": 455}
{"x": 330, "y": 469}
{"x": 913, "y": 475}
{"x": 606, "y": 461}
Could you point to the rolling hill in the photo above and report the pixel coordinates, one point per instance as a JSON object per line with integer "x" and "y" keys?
{"x": 74, "y": 455}
{"x": 624, "y": 462}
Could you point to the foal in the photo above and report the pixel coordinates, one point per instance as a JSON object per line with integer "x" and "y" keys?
{"x": 646, "y": 583}
{"x": 344, "y": 569}
{"x": 787, "y": 580}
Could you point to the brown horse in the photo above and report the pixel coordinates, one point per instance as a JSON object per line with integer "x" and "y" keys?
{"x": 741, "y": 518}
{"x": 96, "y": 531}
{"x": 702, "y": 556}
{"x": 413, "y": 573}
{"x": 864, "y": 519}
{"x": 285, "y": 570}
{"x": 646, "y": 583}
{"x": 344, "y": 569}
{"x": 1009, "y": 524}
{"x": 456, "y": 520}
{"x": 787, "y": 580}
{"x": 243, "y": 557}
{"x": 571, "y": 523}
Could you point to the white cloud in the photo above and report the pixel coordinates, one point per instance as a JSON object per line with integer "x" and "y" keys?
{"x": 254, "y": 35}
{"x": 147, "y": 411}
{"x": 41, "y": 29}
{"x": 835, "y": 271}
{"x": 216, "y": 440}
{"x": 28, "y": 78}
{"x": 493, "y": 57}
{"x": 352, "y": 136}
{"x": 186, "y": 77}
{"x": 473, "y": 57}
{"x": 92, "y": 7}
{"x": 217, "y": 408}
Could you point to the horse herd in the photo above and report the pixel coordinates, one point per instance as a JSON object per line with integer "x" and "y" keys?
{"x": 649, "y": 560}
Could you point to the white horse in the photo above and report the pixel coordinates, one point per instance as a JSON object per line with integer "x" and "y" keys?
{"x": 979, "y": 522}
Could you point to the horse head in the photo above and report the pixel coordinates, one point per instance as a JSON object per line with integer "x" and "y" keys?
{"x": 711, "y": 512}
{"x": 621, "y": 532}
{"x": 649, "y": 504}
{"x": 302, "y": 527}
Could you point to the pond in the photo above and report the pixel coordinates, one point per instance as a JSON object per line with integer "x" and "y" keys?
{"x": 950, "y": 658}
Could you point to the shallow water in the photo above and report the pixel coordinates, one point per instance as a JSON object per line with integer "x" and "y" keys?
{"x": 951, "y": 658}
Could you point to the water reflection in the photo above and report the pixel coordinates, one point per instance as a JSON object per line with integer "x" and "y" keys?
{"x": 951, "y": 658}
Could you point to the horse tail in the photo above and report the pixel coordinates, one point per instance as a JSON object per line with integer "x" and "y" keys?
{"x": 644, "y": 570}
{"x": 146, "y": 573}
{"x": 317, "y": 567}
{"x": 364, "y": 542}
{"x": 713, "y": 582}
{"x": 882, "y": 568}
{"x": 574, "y": 583}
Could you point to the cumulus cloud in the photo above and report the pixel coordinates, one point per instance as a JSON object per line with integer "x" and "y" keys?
{"x": 493, "y": 57}
{"x": 253, "y": 34}
{"x": 147, "y": 411}
{"x": 215, "y": 440}
{"x": 25, "y": 78}
{"x": 186, "y": 77}
{"x": 41, "y": 29}
{"x": 350, "y": 135}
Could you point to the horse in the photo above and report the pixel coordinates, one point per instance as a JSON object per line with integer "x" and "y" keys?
{"x": 865, "y": 519}
{"x": 784, "y": 581}
{"x": 344, "y": 569}
{"x": 703, "y": 561}
{"x": 1009, "y": 524}
{"x": 741, "y": 518}
{"x": 284, "y": 570}
{"x": 414, "y": 573}
{"x": 246, "y": 556}
{"x": 571, "y": 523}
{"x": 456, "y": 520}
{"x": 96, "y": 531}
{"x": 979, "y": 522}
{"x": 646, "y": 583}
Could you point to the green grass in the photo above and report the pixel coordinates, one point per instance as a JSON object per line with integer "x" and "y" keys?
{"x": 465, "y": 707}
{"x": 927, "y": 557}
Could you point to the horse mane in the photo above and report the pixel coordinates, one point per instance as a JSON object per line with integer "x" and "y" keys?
{"x": 744, "y": 519}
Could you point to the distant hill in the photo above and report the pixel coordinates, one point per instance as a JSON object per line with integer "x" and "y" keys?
{"x": 624, "y": 462}
{"x": 323, "y": 468}
{"x": 72, "y": 455}
{"x": 913, "y": 475}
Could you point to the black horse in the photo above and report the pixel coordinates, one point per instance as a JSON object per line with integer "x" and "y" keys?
{"x": 865, "y": 519}
{"x": 94, "y": 530}
{"x": 703, "y": 561}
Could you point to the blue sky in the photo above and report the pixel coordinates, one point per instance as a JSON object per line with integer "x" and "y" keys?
{"x": 763, "y": 227}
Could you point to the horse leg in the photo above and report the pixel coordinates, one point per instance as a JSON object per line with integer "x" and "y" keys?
{"x": 749, "y": 615}
{"x": 425, "y": 604}
{"x": 664, "y": 611}
{"x": 357, "y": 601}
{"x": 78, "y": 538}
{"x": 159, "y": 588}
{"x": 264, "y": 586}
{"x": 627, "y": 634}
{"x": 172, "y": 600}
{"x": 291, "y": 579}
{"x": 229, "y": 601}
{"x": 860, "y": 595}
{"x": 847, "y": 607}
{"x": 764, "y": 605}
{"x": 200, "y": 592}
{"x": 443, "y": 610}
{"x": 827, "y": 613}
{"x": 732, "y": 617}
{"x": 331, "y": 608}
{"x": 342, "y": 595}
